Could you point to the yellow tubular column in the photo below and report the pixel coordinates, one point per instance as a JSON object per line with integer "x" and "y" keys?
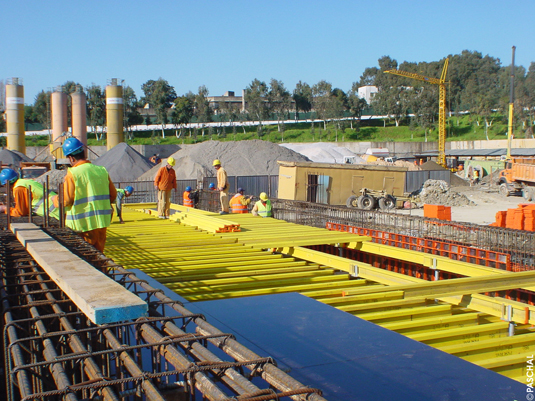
{"x": 114, "y": 114}
{"x": 15, "y": 115}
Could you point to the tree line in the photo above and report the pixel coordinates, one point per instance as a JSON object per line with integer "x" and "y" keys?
{"x": 475, "y": 83}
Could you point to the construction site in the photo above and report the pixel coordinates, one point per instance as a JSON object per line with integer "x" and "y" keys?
{"x": 346, "y": 293}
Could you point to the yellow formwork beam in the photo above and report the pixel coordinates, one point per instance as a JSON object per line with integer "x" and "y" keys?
{"x": 500, "y": 307}
{"x": 437, "y": 262}
{"x": 396, "y": 304}
{"x": 482, "y": 350}
{"x": 413, "y": 313}
{"x": 302, "y": 288}
{"x": 256, "y": 279}
{"x": 236, "y": 287}
{"x": 203, "y": 276}
{"x": 433, "y": 323}
{"x": 461, "y": 335}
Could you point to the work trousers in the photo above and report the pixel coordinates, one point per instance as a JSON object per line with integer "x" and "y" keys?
{"x": 164, "y": 202}
{"x": 223, "y": 197}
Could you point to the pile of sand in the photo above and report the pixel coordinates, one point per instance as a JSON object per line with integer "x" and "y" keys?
{"x": 438, "y": 192}
{"x": 12, "y": 158}
{"x": 324, "y": 152}
{"x": 123, "y": 163}
{"x": 239, "y": 158}
{"x": 55, "y": 177}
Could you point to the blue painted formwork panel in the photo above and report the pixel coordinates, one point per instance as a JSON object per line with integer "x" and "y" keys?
{"x": 350, "y": 358}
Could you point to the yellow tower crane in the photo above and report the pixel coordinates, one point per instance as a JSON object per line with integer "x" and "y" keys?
{"x": 441, "y": 105}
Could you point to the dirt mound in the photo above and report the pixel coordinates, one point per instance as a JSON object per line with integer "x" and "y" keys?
{"x": 438, "y": 192}
{"x": 123, "y": 163}
{"x": 398, "y": 163}
{"x": 431, "y": 166}
{"x": 239, "y": 158}
{"x": 12, "y": 158}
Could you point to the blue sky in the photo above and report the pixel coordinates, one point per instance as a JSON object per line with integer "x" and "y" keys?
{"x": 226, "y": 44}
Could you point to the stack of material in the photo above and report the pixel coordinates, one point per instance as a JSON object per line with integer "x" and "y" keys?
{"x": 12, "y": 158}
{"x": 205, "y": 221}
{"x": 440, "y": 212}
{"x": 124, "y": 164}
{"x": 521, "y": 218}
{"x": 241, "y": 158}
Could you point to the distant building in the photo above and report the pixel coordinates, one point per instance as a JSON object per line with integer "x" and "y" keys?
{"x": 229, "y": 99}
{"x": 367, "y": 92}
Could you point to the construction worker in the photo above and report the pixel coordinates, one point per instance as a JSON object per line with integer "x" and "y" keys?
{"x": 165, "y": 182}
{"x": 187, "y": 197}
{"x": 238, "y": 203}
{"x": 155, "y": 159}
{"x": 21, "y": 199}
{"x": 88, "y": 195}
{"x": 121, "y": 194}
{"x": 263, "y": 207}
{"x": 222, "y": 186}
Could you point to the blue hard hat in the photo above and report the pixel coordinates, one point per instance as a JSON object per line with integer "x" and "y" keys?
{"x": 129, "y": 189}
{"x": 241, "y": 190}
{"x": 212, "y": 185}
{"x": 8, "y": 174}
{"x": 72, "y": 146}
{"x": 188, "y": 188}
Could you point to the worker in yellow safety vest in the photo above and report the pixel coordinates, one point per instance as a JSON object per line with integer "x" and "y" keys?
{"x": 88, "y": 195}
{"x": 21, "y": 199}
{"x": 263, "y": 207}
{"x": 238, "y": 203}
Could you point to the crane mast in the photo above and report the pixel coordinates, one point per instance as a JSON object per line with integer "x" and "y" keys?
{"x": 441, "y": 104}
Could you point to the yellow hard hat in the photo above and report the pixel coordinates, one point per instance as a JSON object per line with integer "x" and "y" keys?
{"x": 171, "y": 161}
{"x": 263, "y": 196}
{"x": 216, "y": 162}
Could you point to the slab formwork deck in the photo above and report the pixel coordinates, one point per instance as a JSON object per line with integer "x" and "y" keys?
{"x": 204, "y": 256}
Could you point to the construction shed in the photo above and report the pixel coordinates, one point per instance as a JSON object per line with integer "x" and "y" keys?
{"x": 333, "y": 184}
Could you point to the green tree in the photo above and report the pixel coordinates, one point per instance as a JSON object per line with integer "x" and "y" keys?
{"x": 279, "y": 101}
{"x": 202, "y": 109}
{"x": 96, "y": 107}
{"x": 183, "y": 112}
{"x": 160, "y": 95}
{"x": 130, "y": 107}
{"x": 391, "y": 100}
{"x": 255, "y": 98}
{"x": 321, "y": 100}
{"x": 302, "y": 97}
{"x": 368, "y": 77}
{"x": 356, "y": 105}
{"x": 41, "y": 108}
{"x": 337, "y": 106}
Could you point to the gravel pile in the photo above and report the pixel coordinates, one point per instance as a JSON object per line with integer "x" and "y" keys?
{"x": 438, "y": 192}
{"x": 123, "y": 163}
{"x": 12, "y": 158}
{"x": 324, "y": 152}
{"x": 55, "y": 177}
{"x": 239, "y": 158}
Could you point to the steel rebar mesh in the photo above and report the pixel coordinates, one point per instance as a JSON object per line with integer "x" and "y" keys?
{"x": 52, "y": 351}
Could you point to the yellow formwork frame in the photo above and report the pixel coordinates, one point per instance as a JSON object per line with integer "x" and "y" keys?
{"x": 503, "y": 308}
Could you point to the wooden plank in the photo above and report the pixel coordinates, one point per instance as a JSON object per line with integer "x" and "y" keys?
{"x": 99, "y": 297}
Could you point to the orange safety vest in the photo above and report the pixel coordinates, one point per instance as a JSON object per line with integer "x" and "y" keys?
{"x": 186, "y": 201}
{"x": 235, "y": 204}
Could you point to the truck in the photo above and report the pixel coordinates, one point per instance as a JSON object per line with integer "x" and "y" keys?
{"x": 518, "y": 177}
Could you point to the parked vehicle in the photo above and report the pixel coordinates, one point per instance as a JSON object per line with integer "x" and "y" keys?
{"x": 518, "y": 177}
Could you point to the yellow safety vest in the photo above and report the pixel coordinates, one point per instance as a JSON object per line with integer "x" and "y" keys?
{"x": 92, "y": 207}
